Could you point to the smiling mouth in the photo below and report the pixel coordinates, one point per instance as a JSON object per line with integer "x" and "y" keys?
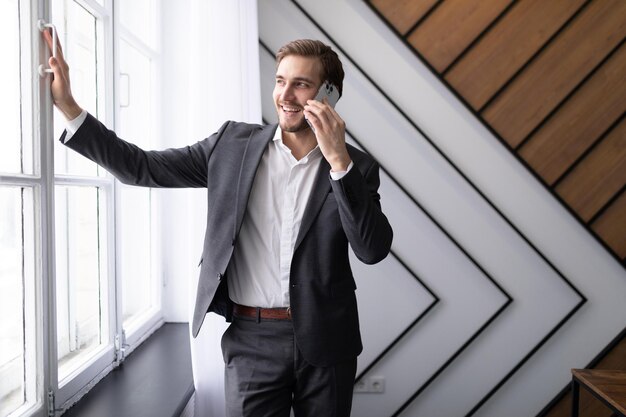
{"x": 291, "y": 109}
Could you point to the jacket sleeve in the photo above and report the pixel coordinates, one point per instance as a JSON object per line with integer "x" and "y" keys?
{"x": 172, "y": 168}
{"x": 366, "y": 226}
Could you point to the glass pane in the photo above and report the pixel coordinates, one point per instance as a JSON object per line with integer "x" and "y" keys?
{"x": 80, "y": 276}
{"x": 138, "y": 17}
{"x": 136, "y": 101}
{"x": 135, "y": 239}
{"x": 84, "y": 54}
{"x": 135, "y": 253}
{"x": 14, "y": 153}
{"x": 17, "y": 374}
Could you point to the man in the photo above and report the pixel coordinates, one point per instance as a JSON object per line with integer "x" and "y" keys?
{"x": 284, "y": 202}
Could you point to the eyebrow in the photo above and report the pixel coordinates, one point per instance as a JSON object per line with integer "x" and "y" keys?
{"x": 308, "y": 80}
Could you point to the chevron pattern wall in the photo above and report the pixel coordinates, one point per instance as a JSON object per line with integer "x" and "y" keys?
{"x": 480, "y": 309}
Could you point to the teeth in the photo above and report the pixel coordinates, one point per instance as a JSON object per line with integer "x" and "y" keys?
{"x": 294, "y": 109}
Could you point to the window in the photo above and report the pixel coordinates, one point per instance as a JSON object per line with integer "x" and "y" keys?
{"x": 17, "y": 148}
{"x": 82, "y": 307}
{"x": 17, "y": 370}
{"x": 85, "y": 320}
{"x": 77, "y": 273}
{"x": 19, "y": 201}
{"x": 137, "y": 113}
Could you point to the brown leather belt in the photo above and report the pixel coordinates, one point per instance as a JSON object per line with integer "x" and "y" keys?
{"x": 283, "y": 313}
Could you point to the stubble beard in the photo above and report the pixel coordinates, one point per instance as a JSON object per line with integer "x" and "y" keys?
{"x": 293, "y": 129}
{"x": 303, "y": 125}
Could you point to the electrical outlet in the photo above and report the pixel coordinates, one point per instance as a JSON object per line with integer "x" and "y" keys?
{"x": 377, "y": 384}
{"x": 361, "y": 385}
{"x": 372, "y": 384}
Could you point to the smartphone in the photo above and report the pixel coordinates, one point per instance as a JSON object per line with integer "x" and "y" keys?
{"x": 329, "y": 91}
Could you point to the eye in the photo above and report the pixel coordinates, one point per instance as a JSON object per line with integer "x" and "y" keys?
{"x": 280, "y": 82}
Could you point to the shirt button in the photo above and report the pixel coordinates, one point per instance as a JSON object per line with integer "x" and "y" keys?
{"x": 219, "y": 276}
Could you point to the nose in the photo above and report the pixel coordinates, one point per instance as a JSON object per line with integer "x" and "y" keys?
{"x": 287, "y": 94}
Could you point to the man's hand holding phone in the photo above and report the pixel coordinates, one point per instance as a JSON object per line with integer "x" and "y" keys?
{"x": 329, "y": 92}
{"x": 329, "y": 128}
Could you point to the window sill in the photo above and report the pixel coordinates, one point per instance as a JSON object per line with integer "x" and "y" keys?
{"x": 155, "y": 380}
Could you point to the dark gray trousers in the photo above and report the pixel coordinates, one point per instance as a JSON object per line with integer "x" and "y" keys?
{"x": 266, "y": 375}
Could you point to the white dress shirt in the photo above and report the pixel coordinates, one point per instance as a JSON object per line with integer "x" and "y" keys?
{"x": 258, "y": 274}
{"x": 71, "y": 126}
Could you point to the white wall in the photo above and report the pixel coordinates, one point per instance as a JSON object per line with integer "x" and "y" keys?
{"x": 182, "y": 211}
{"x": 211, "y": 75}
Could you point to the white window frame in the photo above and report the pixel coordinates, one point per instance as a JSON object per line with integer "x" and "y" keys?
{"x": 148, "y": 322}
{"x": 41, "y": 341}
{"x": 102, "y": 360}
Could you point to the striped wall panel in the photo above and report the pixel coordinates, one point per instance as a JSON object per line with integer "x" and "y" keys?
{"x": 448, "y": 31}
{"x": 547, "y": 78}
{"x": 502, "y": 51}
{"x": 482, "y": 307}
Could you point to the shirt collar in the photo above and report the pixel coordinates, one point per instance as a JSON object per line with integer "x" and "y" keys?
{"x": 278, "y": 139}
{"x": 278, "y": 134}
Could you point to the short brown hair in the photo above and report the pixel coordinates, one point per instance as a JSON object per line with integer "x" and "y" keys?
{"x": 331, "y": 65}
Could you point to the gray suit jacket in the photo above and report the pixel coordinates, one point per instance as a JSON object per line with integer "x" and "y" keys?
{"x": 338, "y": 213}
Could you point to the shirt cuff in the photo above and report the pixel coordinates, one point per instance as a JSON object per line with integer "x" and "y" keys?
{"x": 71, "y": 126}
{"x": 337, "y": 175}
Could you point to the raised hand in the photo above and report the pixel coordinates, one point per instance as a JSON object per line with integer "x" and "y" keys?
{"x": 330, "y": 131}
{"x": 60, "y": 86}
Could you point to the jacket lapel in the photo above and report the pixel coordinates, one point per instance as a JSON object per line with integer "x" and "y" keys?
{"x": 256, "y": 145}
{"x": 321, "y": 187}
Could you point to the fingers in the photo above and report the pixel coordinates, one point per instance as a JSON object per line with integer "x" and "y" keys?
{"x": 322, "y": 115}
{"x": 317, "y": 117}
{"x": 56, "y": 68}
{"x": 334, "y": 113}
{"x": 329, "y": 132}
{"x": 58, "y": 65}
{"x": 60, "y": 50}
{"x": 48, "y": 38}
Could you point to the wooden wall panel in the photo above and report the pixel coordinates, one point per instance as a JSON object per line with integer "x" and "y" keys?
{"x": 611, "y": 226}
{"x": 598, "y": 177}
{"x": 580, "y": 121}
{"x": 452, "y": 27}
{"x": 507, "y": 47}
{"x": 403, "y": 15}
{"x": 555, "y": 73}
{"x": 589, "y": 405}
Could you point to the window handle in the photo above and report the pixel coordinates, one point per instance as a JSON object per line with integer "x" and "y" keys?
{"x": 42, "y": 25}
